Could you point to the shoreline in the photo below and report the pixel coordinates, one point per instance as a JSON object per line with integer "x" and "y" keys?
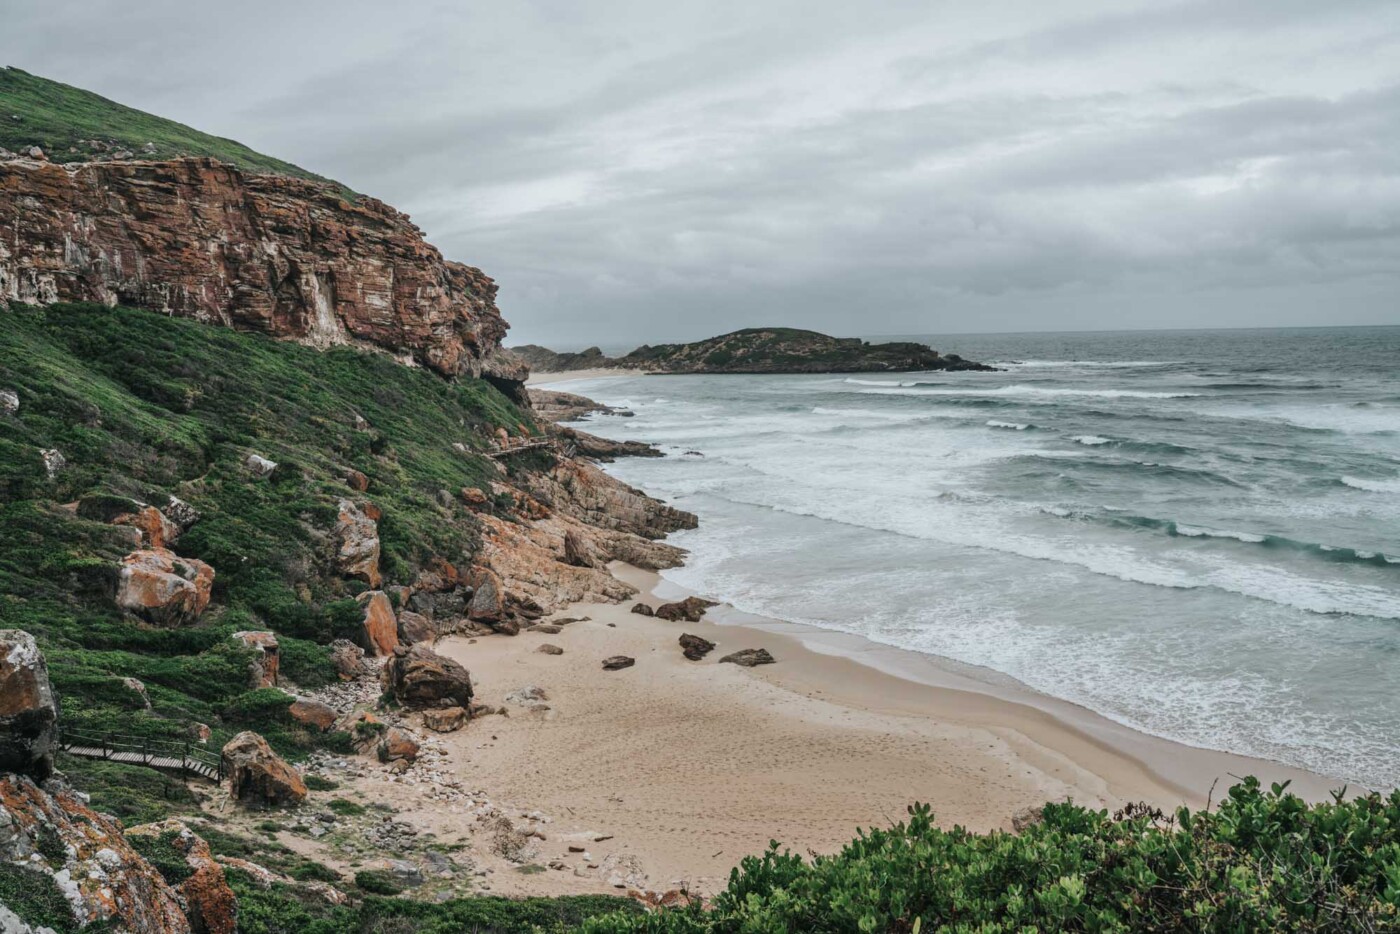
{"x": 667, "y": 773}
{"x": 544, "y": 380}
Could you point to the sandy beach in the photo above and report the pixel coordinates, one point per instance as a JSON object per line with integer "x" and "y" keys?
{"x": 549, "y": 379}
{"x": 685, "y": 767}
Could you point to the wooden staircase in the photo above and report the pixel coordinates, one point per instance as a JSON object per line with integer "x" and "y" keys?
{"x": 188, "y": 759}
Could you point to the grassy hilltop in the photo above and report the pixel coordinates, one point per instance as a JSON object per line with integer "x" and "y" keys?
{"x": 59, "y": 119}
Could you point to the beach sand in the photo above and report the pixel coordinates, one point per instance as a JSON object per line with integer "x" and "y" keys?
{"x": 689, "y": 766}
{"x": 544, "y": 380}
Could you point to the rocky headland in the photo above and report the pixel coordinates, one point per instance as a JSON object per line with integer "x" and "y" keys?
{"x": 756, "y": 350}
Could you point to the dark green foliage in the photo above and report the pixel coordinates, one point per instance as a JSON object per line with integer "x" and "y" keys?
{"x": 56, "y": 116}
{"x": 133, "y": 794}
{"x": 345, "y": 808}
{"x": 377, "y": 882}
{"x": 160, "y": 852}
{"x": 35, "y": 898}
{"x": 1263, "y": 861}
{"x": 317, "y": 783}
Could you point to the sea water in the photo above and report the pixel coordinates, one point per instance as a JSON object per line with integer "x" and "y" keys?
{"x": 1193, "y": 533}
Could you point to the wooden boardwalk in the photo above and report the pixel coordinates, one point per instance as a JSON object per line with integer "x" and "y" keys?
{"x": 166, "y": 756}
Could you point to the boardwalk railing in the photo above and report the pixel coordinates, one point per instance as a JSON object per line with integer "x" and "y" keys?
{"x": 169, "y": 755}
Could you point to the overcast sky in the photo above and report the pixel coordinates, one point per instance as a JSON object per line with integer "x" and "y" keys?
{"x": 639, "y": 171}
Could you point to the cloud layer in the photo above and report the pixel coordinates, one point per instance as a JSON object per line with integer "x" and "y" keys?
{"x": 636, "y": 171}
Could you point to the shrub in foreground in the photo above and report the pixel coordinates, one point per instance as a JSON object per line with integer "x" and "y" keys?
{"x": 1264, "y": 860}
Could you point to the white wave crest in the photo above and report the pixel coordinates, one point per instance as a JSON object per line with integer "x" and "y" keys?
{"x": 1191, "y": 531}
{"x": 1091, "y": 440}
{"x": 909, "y": 389}
{"x": 1373, "y": 486}
{"x": 1014, "y": 426}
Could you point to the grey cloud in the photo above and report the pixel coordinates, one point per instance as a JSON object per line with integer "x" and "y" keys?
{"x": 632, "y": 171}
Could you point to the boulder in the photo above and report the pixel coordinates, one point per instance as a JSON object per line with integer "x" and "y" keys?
{"x": 356, "y": 480}
{"x": 396, "y": 744}
{"x": 616, "y": 662}
{"x": 689, "y": 610}
{"x": 437, "y": 576}
{"x": 105, "y": 882}
{"x": 138, "y": 687}
{"x": 9, "y": 402}
{"x": 210, "y": 904}
{"x": 259, "y": 466}
{"x": 547, "y": 649}
{"x": 749, "y": 657}
{"x": 642, "y": 609}
{"x": 364, "y": 729}
{"x": 418, "y": 677}
{"x": 263, "y": 669}
{"x": 313, "y": 713}
{"x": 157, "y": 531}
{"x": 259, "y": 776}
{"x": 694, "y": 647}
{"x": 471, "y": 495}
{"x": 28, "y": 713}
{"x": 487, "y": 604}
{"x": 530, "y": 696}
{"x": 181, "y": 513}
{"x": 357, "y": 530}
{"x": 577, "y": 550}
{"x": 164, "y": 588}
{"x": 347, "y": 658}
{"x": 445, "y": 719}
{"x": 380, "y": 630}
{"x": 54, "y": 461}
{"x": 415, "y": 628}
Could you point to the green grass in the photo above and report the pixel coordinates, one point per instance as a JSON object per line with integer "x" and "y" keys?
{"x": 35, "y": 897}
{"x": 145, "y": 407}
{"x": 56, "y": 116}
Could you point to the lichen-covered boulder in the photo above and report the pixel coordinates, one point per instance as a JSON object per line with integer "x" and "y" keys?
{"x": 418, "y": 678}
{"x": 263, "y": 669}
{"x": 380, "y": 630}
{"x": 210, "y": 905}
{"x": 415, "y": 628}
{"x": 155, "y": 528}
{"x": 488, "y": 602}
{"x": 357, "y": 531}
{"x": 28, "y": 713}
{"x": 347, "y": 658}
{"x": 50, "y": 830}
{"x": 318, "y": 716}
{"x": 164, "y": 588}
{"x": 257, "y": 775}
{"x": 445, "y": 719}
{"x": 396, "y": 745}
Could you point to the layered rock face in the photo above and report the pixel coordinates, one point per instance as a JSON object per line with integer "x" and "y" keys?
{"x": 286, "y": 256}
{"x": 28, "y": 714}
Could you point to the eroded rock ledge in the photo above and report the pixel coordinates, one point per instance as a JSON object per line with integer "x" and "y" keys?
{"x": 286, "y": 256}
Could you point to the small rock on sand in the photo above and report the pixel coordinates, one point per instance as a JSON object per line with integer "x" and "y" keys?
{"x": 617, "y": 662}
{"x": 547, "y": 649}
{"x": 749, "y": 657}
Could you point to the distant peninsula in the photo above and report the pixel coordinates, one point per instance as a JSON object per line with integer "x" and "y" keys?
{"x": 756, "y": 350}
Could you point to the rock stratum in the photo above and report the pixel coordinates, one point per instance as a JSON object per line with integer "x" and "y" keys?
{"x": 757, "y": 350}
{"x": 289, "y": 257}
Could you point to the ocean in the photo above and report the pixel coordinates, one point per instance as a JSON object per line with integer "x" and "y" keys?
{"x": 1194, "y": 533}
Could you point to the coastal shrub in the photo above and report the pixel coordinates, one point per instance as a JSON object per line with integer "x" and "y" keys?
{"x": 34, "y": 897}
{"x": 1264, "y": 860}
{"x": 377, "y": 882}
{"x": 133, "y": 794}
{"x": 160, "y": 851}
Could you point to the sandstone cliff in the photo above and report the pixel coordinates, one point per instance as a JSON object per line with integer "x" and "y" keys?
{"x": 289, "y": 257}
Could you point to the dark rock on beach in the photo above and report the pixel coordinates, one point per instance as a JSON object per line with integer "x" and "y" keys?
{"x": 694, "y": 647}
{"x": 748, "y": 658}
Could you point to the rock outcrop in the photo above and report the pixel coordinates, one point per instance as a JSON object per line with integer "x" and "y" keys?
{"x": 28, "y": 713}
{"x": 418, "y": 677}
{"x": 54, "y": 834}
{"x": 263, "y": 669}
{"x": 357, "y": 530}
{"x": 286, "y": 256}
{"x": 313, "y": 713}
{"x": 694, "y": 647}
{"x": 688, "y": 610}
{"x": 380, "y": 629}
{"x": 163, "y": 588}
{"x": 259, "y": 776}
{"x": 209, "y": 902}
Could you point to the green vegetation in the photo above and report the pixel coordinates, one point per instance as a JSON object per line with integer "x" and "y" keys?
{"x": 1264, "y": 860}
{"x": 145, "y": 407}
{"x": 34, "y": 896}
{"x": 59, "y": 118}
{"x": 282, "y": 910}
{"x": 161, "y": 852}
